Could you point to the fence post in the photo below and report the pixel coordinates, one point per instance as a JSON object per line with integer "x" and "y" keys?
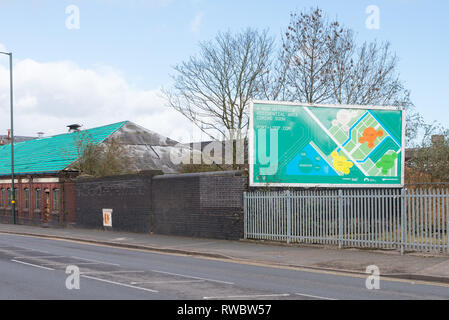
{"x": 340, "y": 218}
{"x": 446, "y": 201}
{"x": 245, "y": 217}
{"x": 289, "y": 216}
{"x": 403, "y": 194}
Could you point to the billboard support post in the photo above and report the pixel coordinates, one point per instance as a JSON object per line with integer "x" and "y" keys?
{"x": 340, "y": 218}
{"x": 289, "y": 216}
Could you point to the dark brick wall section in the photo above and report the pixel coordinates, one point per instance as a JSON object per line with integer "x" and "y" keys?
{"x": 206, "y": 205}
{"x": 69, "y": 202}
{"x": 129, "y": 196}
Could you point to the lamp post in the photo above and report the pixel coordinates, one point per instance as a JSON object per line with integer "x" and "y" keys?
{"x": 13, "y": 193}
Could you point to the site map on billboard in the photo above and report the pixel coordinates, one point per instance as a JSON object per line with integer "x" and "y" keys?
{"x": 325, "y": 145}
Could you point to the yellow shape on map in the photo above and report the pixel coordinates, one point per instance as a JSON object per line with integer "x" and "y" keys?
{"x": 341, "y": 163}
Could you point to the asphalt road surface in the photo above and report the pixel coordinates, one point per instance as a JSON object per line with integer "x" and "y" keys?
{"x": 35, "y": 268}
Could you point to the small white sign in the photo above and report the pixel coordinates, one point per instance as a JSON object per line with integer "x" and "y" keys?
{"x": 107, "y": 217}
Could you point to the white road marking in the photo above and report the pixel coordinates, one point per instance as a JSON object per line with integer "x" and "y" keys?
{"x": 33, "y": 249}
{"x": 119, "y": 284}
{"x": 68, "y": 263}
{"x": 108, "y": 272}
{"x": 32, "y": 265}
{"x": 112, "y": 264}
{"x": 315, "y": 297}
{"x": 36, "y": 257}
{"x": 168, "y": 281}
{"x": 250, "y": 296}
{"x": 18, "y": 250}
{"x": 187, "y": 276}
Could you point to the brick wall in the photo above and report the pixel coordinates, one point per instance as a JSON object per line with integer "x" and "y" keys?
{"x": 69, "y": 202}
{"x": 206, "y": 205}
{"x": 129, "y": 196}
{"x": 29, "y": 211}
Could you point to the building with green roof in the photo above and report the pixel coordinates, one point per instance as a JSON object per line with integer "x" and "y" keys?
{"x": 49, "y": 155}
{"x": 44, "y": 168}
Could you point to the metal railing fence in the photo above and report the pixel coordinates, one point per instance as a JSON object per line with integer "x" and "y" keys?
{"x": 412, "y": 220}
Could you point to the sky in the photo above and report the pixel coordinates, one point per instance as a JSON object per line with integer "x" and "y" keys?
{"x": 112, "y": 65}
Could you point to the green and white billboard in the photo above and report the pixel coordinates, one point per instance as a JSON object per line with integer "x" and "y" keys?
{"x": 303, "y": 145}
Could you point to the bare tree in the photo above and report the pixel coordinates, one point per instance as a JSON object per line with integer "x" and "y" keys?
{"x": 213, "y": 89}
{"x": 274, "y": 85}
{"x": 311, "y": 46}
{"x": 430, "y": 157}
{"x": 326, "y": 65}
{"x": 414, "y": 122}
{"x": 321, "y": 62}
{"x": 370, "y": 77}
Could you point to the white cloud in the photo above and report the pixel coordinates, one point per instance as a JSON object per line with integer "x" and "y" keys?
{"x": 48, "y": 96}
{"x": 196, "y": 22}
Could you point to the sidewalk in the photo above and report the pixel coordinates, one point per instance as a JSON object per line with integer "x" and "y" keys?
{"x": 392, "y": 264}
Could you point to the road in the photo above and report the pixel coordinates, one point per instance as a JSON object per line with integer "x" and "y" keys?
{"x": 34, "y": 268}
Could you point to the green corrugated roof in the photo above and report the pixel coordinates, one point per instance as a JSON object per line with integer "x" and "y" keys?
{"x": 50, "y": 154}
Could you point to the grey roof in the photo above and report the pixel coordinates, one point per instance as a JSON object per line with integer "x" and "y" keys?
{"x": 4, "y": 139}
{"x": 150, "y": 150}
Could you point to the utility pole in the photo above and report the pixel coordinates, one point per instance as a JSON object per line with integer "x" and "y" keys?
{"x": 13, "y": 193}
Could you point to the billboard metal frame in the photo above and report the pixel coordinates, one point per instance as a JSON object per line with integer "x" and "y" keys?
{"x": 322, "y": 185}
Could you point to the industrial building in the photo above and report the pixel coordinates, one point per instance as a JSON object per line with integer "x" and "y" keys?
{"x": 44, "y": 171}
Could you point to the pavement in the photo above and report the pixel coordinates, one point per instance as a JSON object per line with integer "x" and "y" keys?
{"x": 415, "y": 266}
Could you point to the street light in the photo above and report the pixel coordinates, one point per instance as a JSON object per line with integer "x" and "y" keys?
{"x": 13, "y": 200}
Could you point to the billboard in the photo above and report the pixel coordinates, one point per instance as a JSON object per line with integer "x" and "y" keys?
{"x": 303, "y": 145}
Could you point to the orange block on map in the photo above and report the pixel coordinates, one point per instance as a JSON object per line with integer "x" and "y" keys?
{"x": 369, "y": 135}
